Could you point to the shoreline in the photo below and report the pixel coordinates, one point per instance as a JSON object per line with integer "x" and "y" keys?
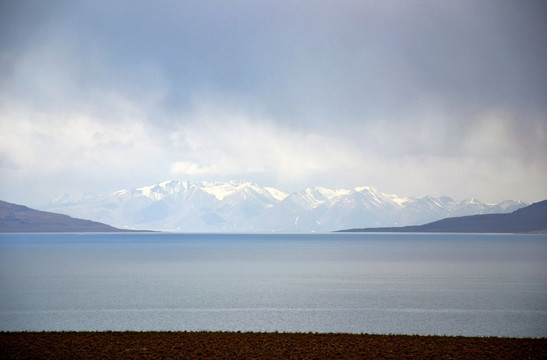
{"x": 257, "y": 345}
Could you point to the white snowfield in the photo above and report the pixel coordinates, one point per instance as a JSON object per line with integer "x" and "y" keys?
{"x": 242, "y": 206}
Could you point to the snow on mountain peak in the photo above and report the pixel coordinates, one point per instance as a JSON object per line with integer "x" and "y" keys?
{"x": 365, "y": 188}
{"x": 472, "y": 201}
{"x": 121, "y": 192}
{"x": 398, "y": 200}
{"x": 330, "y": 194}
{"x": 276, "y": 194}
{"x": 219, "y": 189}
{"x": 163, "y": 189}
{"x": 245, "y": 206}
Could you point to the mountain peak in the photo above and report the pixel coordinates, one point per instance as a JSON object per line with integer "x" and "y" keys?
{"x": 365, "y": 188}
{"x": 241, "y": 206}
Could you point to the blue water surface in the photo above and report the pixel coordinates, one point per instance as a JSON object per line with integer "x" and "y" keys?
{"x": 444, "y": 284}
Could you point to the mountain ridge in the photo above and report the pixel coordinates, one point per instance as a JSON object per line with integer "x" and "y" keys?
{"x": 529, "y": 219}
{"x": 19, "y": 218}
{"x": 243, "y": 206}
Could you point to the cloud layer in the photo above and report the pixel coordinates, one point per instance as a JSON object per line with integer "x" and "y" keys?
{"x": 413, "y": 98}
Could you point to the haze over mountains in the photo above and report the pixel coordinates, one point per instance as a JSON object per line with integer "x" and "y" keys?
{"x": 239, "y": 206}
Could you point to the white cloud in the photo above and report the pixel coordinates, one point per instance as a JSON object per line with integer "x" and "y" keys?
{"x": 193, "y": 169}
{"x": 479, "y": 158}
{"x": 47, "y": 154}
{"x": 48, "y": 143}
{"x": 221, "y": 142}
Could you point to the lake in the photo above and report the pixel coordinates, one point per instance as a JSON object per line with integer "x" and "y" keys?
{"x": 444, "y": 284}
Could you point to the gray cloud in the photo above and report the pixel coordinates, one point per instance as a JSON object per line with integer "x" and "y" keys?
{"x": 436, "y": 89}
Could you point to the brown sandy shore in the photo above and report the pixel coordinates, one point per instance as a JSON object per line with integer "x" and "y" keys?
{"x": 232, "y": 345}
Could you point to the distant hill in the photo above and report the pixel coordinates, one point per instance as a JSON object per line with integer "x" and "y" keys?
{"x": 18, "y": 218}
{"x": 532, "y": 218}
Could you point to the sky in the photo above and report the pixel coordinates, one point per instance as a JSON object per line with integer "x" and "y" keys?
{"x": 412, "y": 97}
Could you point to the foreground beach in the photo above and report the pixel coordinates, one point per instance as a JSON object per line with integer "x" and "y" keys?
{"x": 231, "y": 345}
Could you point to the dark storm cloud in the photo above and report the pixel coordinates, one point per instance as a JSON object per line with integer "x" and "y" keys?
{"x": 387, "y": 84}
{"x": 350, "y": 59}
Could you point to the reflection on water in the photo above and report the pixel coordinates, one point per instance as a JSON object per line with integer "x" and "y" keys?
{"x": 361, "y": 283}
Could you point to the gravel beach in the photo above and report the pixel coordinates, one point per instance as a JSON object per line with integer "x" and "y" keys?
{"x": 235, "y": 345}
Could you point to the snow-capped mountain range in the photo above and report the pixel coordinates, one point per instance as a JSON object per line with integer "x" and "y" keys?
{"x": 239, "y": 206}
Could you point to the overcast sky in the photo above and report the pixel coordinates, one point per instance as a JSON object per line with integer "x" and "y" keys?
{"x": 412, "y": 97}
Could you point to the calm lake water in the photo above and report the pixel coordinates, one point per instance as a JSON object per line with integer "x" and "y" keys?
{"x": 452, "y": 284}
